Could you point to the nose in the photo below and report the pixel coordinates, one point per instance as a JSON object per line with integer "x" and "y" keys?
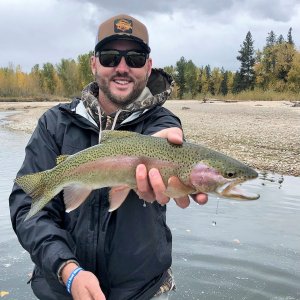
{"x": 122, "y": 66}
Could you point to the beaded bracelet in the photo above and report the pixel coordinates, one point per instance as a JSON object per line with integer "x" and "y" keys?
{"x": 71, "y": 278}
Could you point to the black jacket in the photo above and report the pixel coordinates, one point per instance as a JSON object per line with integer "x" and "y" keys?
{"x": 129, "y": 250}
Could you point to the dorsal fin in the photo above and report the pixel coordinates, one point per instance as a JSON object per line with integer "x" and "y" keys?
{"x": 61, "y": 158}
{"x": 108, "y": 135}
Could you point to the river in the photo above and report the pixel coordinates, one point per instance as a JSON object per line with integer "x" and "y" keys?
{"x": 225, "y": 249}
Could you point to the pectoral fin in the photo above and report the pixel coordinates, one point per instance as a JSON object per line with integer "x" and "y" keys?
{"x": 176, "y": 188}
{"x": 117, "y": 196}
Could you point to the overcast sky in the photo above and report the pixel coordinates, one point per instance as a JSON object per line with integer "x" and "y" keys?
{"x": 207, "y": 32}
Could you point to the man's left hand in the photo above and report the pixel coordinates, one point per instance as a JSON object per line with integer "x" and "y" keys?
{"x": 150, "y": 186}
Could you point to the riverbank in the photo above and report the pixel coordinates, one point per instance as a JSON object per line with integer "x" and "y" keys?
{"x": 263, "y": 134}
{"x": 24, "y": 114}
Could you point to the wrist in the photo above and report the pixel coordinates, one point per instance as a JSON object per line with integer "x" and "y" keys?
{"x": 62, "y": 266}
{"x": 67, "y": 271}
{"x": 71, "y": 278}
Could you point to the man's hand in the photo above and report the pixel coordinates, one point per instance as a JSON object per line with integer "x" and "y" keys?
{"x": 85, "y": 285}
{"x": 150, "y": 186}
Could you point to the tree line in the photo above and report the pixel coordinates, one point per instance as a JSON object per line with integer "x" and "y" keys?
{"x": 65, "y": 79}
{"x": 276, "y": 68}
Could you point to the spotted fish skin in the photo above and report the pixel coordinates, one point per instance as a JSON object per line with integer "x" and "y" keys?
{"x": 113, "y": 164}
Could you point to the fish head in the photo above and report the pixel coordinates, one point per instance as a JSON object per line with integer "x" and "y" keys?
{"x": 223, "y": 177}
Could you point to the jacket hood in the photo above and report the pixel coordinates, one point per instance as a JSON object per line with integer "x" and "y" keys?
{"x": 158, "y": 90}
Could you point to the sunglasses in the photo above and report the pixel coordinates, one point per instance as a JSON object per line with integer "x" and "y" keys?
{"x": 133, "y": 58}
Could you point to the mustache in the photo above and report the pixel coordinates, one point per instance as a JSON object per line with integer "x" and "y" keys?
{"x": 123, "y": 75}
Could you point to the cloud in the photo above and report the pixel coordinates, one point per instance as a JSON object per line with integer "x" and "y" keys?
{"x": 208, "y": 32}
{"x": 277, "y": 10}
{"x": 35, "y": 33}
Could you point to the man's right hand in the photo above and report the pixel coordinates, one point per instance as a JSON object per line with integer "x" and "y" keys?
{"x": 85, "y": 285}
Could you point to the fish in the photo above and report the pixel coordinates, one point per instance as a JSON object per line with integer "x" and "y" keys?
{"x": 185, "y": 169}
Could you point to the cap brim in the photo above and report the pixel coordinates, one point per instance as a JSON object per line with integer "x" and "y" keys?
{"x": 122, "y": 37}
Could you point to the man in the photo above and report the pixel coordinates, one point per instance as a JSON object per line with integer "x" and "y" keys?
{"x": 125, "y": 254}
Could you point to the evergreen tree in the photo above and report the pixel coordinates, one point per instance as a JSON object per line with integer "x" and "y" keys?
{"x": 269, "y": 53}
{"x": 224, "y": 83}
{"x": 271, "y": 39}
{"x": 191, "y": 78}
{"x": 289, "y": 37}
{"x": 207, "y": 71}
{"x": 247, "y": 60}
{"x": 280, "y": 39}
{"x": 180, "y": 76}
{"x": 236, "y": 87}
{"x": 209, "y": 82}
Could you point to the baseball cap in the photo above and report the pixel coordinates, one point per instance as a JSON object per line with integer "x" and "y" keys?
{"x": 122, "y": 27}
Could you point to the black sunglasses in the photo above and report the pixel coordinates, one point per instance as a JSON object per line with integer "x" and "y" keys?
{"x": 133, "y": 58}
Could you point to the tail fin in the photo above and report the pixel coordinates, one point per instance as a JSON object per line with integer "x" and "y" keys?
{"x": 34, "y": 185}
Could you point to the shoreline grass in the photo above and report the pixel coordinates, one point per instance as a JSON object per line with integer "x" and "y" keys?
{"x": 249, "y": 95}
{"x": 46, "y": 98}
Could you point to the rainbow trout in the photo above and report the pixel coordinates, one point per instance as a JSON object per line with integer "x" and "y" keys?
{"x": 185, "y": 169}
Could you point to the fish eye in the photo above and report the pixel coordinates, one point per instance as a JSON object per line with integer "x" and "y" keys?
{"x": 230, "y": 174}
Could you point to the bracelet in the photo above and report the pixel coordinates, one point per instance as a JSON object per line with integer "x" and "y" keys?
{"x": 59, "y": 272}
{"x": 71, "y": 278}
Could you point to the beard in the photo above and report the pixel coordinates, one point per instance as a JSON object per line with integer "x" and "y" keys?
{"x": 121, "y": 100}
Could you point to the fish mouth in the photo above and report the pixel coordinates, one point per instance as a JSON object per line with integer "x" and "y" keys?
{"x": 232, "y": 190}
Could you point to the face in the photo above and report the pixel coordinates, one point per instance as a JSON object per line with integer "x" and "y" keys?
{"x": 120, "y": 85}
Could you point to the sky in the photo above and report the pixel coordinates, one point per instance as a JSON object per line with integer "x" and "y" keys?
{"x": 207, "y": 32}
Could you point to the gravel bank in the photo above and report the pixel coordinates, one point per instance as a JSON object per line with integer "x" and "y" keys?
{"x": 263, "y": 134}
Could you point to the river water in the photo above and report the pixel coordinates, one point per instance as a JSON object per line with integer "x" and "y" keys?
{"x": 223, "y": 250}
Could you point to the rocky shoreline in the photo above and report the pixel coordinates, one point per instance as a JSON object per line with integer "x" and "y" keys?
{"x": 263, "y": 134}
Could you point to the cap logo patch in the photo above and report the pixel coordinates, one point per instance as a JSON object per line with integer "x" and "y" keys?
{"x": 123, "y": 25}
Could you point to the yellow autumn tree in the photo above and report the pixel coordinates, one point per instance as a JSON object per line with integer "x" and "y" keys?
{"x": 294, "y": 74}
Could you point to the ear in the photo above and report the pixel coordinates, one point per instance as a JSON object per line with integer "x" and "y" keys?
{"x": 93, "y": 63}
{"x": 149, "y": 63}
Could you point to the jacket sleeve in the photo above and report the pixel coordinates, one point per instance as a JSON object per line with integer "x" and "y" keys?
{"x": 161, "y": 119}
{"x": 42, "y": 235}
